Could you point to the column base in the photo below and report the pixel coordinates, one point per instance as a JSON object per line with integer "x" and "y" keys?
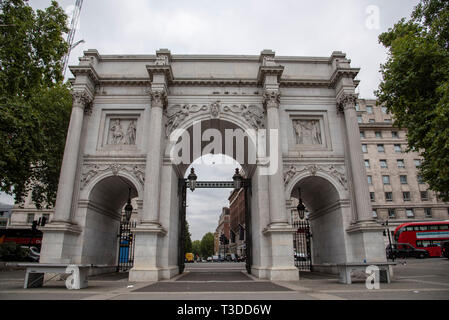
{"x": 367, "y": 242}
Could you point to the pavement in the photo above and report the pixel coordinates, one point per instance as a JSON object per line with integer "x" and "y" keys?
{"x": 414, "y": 279}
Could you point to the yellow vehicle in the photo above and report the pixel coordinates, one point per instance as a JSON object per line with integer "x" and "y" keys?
{"x": 189, "y": 257}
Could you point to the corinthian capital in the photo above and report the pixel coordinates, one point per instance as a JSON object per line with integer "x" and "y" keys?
{"x": 81, "y": 98}
{"x": 158, "y": 98}
{"x": 346, "y": 101}
{"x": 271, "y": 98}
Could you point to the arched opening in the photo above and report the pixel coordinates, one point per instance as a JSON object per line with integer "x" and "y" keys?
{"x": 215, "y": 148}
{"x": 324, "y": 211}
{"x": 104, "y": 213}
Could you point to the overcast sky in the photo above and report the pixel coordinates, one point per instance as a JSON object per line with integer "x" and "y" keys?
{"x": 289, "y": 27}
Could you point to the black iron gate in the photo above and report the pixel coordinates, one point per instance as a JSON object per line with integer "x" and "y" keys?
{"x": 183, "y": 184}
{"x": 301, "y": 245}
{"x": 126, "y": 246}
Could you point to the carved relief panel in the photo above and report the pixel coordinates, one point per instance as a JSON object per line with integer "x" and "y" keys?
{"x": 120, "y": 130}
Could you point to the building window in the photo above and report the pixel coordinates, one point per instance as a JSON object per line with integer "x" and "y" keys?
{"x": 370, "y": 180}
{"x": 369, "y": 109}
{"x": 424, "y": 195}
{"x": 409, "y": 213}
{"x": 367, "y": 164}
{"x": 364, "y": 148}
{"x": 397, "y": 148}
{"x": 375, "y": 213}
{"x": 389, "y": 196}
{"x": 359, "y": 119}
{"x": 30, "y": 217}
{"x": 395, "y": 134}
{"x": 417, "y": 163}
{"x": 386, "y": 179}
{"x": 357, "y": 107}
{"x": 371, "y": 121}
{"x": 381, "y": 148}
{"x": 362, "y": 134}
{"x": 372, "y": 197}
{"x": 391, "y": 214}
{"x": 401, "y": 163}
{"x": 378, "y": 134}
{"x": 403, "y": 179}
{"x": 420, "y": 179}
{"x": 383, "y": 163}
{"x": 384, "y": 110}
{"x": 406, "y": 195}
{"x": 428, "y": 212}
{"x": 387, "y": 120}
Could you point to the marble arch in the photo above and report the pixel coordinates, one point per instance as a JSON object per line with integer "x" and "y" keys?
{"x": 158, "y": 93}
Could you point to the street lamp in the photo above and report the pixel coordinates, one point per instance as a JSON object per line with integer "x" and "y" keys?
{"x": 301, "y": 208}
{"x": 128, "y": 208}
{"x": 237, "y": 179}
{"x": 192, "y": 179}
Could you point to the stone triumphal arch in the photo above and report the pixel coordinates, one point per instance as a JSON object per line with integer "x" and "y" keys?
{"x": 130, "y": 119}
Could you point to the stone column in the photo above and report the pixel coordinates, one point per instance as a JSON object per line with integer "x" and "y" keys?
{"x": 346, "y": 103}
{"x": 154, "y": 158}
{"x": 81, "y": 100}
{"x": 276, "y": 181}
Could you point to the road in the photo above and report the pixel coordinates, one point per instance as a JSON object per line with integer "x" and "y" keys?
{"x": 413, "y": 279}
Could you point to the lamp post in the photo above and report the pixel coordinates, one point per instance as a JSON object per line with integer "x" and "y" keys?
{"x": 301, "y": 208}
{"x": 192, "y": 179}
{"x": 128, "y": 208}
{"x": 237, "y": 179}
{"x": 387, "y": 231}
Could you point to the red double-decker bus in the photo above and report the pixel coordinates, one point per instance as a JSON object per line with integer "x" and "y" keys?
{"x": 423, "y": 235}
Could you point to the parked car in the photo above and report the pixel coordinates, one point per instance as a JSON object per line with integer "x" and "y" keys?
{"x": 209, "y": 259}
{"x": 445, "y": 249}
{"x": 215, "y": 258}
{"x": 405, "y": 250}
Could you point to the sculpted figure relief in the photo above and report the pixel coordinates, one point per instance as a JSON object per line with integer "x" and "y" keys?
{"x": 117, "y": 132}
{"x": 131, "y": 133}
{"x": 307, "y": 131}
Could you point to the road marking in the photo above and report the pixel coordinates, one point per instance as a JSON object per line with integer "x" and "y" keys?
{"x": 324, "y": 296}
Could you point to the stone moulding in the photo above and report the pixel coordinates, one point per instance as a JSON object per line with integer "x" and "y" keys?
{"x": 337, "y": 172}
{"x": 92, "y": 170}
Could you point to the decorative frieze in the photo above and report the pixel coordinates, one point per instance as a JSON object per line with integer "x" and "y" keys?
{"x": 337, "y": 172}
{"x": 92, "y": 170}
{"x": 177, "y": 114}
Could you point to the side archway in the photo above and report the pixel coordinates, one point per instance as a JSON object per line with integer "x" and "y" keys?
{"x": 328, "y": 210}
{"x": 101, "y": 216}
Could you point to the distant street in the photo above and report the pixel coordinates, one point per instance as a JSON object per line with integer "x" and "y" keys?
{"x": 413, "y": 279}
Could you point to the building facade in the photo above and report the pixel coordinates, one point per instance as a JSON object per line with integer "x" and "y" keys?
{"x": 223, "y": 228}
{"x": 237, "y": 225}
{"x": 397, "y": 191}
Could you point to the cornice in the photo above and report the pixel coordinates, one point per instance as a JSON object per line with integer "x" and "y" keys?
{"x": 88, "y": 70}
{"x": 339, "y": 73}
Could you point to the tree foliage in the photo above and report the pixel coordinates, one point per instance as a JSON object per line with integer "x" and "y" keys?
{"x": 415, "y": 87}
{"x": 196, "y": 247}
{"x": 207, "y": 245}
{"x": 34, "y": 103}
{"x": 187, "y": 238}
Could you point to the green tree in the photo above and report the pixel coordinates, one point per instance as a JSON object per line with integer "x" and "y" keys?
{"x": 415, "y": 87}
{"x": 34, "y": 103}
{"x": 207, "y": 245}
{"x": 187, "y": 239}
{"x": 196, "y": 248}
